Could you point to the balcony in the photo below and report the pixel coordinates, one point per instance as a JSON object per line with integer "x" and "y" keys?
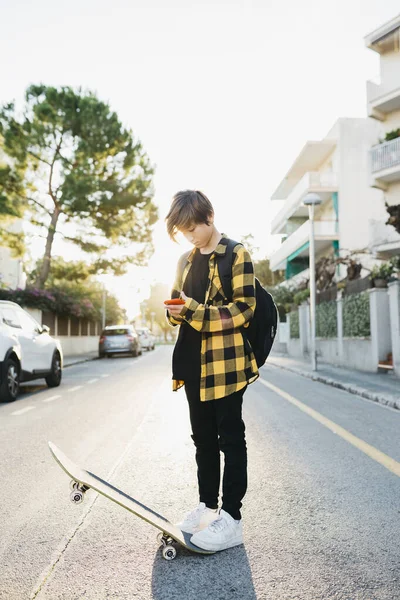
{"x": 323, "y": 184}
{"x": 296, "y": 245}
{"x": 383, "y": 98}
{"x": 385, "y": 164}
{"x": 384, "y": 240}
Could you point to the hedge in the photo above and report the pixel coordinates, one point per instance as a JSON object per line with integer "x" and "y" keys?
{"x": 54, "y": 301}
{"x": 326, "y": 319}
{"x": 356, "y": 319}
{"x": 294, "y": 324}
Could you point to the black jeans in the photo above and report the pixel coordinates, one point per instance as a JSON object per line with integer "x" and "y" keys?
{"x": 217, "y": 426}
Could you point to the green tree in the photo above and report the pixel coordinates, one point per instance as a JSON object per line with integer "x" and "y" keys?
{"x": 265, "y": 275}
{"x": 81, "y": 174}
{"x": 12, "y": 205}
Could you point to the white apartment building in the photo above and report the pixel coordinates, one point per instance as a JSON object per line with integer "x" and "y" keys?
{"x": 337, "y": 169}
{"x": 11, "y": 269}
{"x": 383, "y": 101}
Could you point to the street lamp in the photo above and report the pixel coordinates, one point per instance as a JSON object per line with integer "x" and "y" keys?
{"x": 311, "y": 200}
{"x": 103, "y": 307}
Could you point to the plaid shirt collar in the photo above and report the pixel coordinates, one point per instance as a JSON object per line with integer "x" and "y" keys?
{"x": 220, "y": 249}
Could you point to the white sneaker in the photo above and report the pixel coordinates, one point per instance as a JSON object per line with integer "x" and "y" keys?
{"x": 198, "y": 519}
{"x": 223, "y": 533}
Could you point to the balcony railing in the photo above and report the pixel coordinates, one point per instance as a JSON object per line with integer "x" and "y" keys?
{"x": 313, "y": 181}
{"x": 323, "y": 230}
{"x": 385, "y": 156}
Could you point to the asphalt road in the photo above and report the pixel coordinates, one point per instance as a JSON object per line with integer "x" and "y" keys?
{"x": 321, "y": 516}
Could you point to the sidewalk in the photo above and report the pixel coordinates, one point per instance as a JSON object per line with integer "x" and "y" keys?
{"x": 379, "y": 387}
{"x": 75, "y": 359}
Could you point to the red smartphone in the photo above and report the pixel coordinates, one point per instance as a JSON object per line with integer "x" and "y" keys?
{"x": 173, "y": 301}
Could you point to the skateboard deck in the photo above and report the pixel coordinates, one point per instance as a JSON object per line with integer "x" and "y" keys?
{"x": 83, "y": 480}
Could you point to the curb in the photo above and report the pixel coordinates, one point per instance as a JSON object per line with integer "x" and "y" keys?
{"x": 384, "y": 399}
{"x": 79, "y": 361}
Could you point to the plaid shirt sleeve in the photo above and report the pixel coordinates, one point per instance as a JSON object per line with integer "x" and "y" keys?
{"x": 233, "y": 315}
{"x": 173, "y": 321}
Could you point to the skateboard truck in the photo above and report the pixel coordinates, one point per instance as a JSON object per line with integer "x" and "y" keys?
{"x": 168, "y": 551}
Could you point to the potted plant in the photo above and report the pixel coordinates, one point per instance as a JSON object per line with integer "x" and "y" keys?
{"x": 301, "y": 297}
{"x": 392, "y": 135}
{"x": 380, "y": 274}
{"x": 395, "y": 262}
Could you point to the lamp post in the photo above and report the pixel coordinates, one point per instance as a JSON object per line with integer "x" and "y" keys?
{"x": 311, "y": 200}
{"x": 103, "y": 308}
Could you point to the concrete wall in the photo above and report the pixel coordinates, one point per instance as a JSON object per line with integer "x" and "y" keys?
{"x": 357, "y": 354}
{"x": 71, "y": 344}
{"x": 78, "y": 345}
{"x": 394, "y": 307}
{"x": 363, "y": 354}
{"x": 294, "y": 348}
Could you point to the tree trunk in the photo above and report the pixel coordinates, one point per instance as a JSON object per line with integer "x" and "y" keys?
{"x": 45, "y": 268}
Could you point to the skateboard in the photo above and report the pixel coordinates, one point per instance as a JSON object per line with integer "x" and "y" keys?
{"x": 83, "y": 480}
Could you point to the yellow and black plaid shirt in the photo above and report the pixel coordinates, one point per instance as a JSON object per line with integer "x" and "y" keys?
{"x": 227, "y": 361}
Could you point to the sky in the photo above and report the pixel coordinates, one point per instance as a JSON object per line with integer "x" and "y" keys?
{"x": 223, "y": 94}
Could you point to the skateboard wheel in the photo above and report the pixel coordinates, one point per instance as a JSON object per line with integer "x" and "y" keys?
{"x": 169, "y": 552}
{"x": 76, "y": 497}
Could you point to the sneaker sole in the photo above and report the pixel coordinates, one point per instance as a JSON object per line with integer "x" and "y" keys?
{"x": 218, "y": 547}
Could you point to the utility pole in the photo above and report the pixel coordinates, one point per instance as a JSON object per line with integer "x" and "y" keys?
{"x": 311, "y": 200}
{"x": 103, "y": 309}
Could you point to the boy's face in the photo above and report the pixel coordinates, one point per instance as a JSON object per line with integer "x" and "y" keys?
{"x": 199, "y": 234}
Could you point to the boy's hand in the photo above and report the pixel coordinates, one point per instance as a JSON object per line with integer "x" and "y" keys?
{"x": 175, "y": 309}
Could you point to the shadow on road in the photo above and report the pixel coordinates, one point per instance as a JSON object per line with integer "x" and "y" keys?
{"x": 221, "y": 576}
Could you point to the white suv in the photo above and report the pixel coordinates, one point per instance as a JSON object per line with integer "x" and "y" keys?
{"x": 27, "y": 351}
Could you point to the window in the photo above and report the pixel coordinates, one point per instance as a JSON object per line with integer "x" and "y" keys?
{"x": 27, "y": 322}
{"x": 9, "y": 316}
{"x": 119, "y": 331}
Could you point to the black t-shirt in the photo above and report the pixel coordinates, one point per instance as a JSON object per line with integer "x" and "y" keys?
{"x": 186, "y": 356}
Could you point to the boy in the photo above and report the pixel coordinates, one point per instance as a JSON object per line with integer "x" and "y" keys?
{"x": 215, "y": 363}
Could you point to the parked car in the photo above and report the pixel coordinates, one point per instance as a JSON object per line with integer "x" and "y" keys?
{"x": 147, "y": 339}
{"x": 27, "y": 351}
{"x": 119, "y": 339}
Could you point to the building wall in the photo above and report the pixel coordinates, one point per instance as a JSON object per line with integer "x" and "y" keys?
{"x": 11, "y": 269}
{"x": 358, "y": 202}
{"x": 392, "y": 196}
{"x": 389, "y": 68}
{"x": 392, "y": 120}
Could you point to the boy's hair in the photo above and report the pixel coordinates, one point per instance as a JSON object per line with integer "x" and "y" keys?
{"x": 188, "y": 208}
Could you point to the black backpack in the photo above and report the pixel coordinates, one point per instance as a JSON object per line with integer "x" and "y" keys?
{"x": 262, "y": 328}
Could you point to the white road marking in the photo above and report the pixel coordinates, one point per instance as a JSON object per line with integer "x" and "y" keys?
{"x": 23, "y": 410}
{"x": 51, "y": 398}
{"x": 92, "y": 381}
{"x": 75, "y": 389}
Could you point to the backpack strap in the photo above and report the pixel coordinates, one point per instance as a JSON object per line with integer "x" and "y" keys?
{"x": 182, "y": 264}
{"x": 225, "y": 262}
